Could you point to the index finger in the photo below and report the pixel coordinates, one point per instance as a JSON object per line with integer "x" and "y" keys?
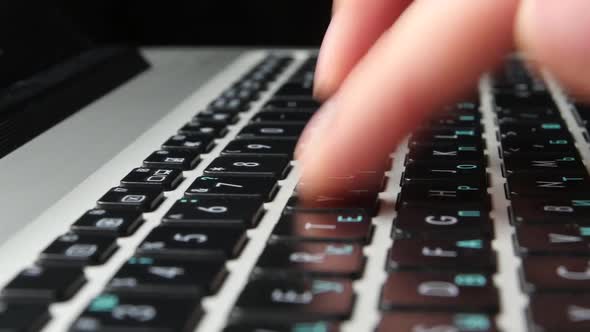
{"x": 434, "y": 53}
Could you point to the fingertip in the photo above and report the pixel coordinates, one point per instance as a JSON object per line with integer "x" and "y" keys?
{"x": 555, "y": 34}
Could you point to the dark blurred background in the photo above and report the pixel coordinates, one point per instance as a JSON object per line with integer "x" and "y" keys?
{"x": 36, "y": 34}
{"x": 201, "y": 22}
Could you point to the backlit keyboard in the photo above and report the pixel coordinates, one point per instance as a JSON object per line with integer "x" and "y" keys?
{"x": 481, "y": 225}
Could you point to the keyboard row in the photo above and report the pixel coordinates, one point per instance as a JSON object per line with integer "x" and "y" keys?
{"x": 548, "y": 188}
{"x": 59, "y": 271}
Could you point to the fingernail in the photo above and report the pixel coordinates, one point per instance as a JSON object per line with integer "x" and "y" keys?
{"x": 316, "y": 128}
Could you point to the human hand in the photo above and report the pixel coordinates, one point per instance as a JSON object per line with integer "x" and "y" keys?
{"x": 386, "y": 64}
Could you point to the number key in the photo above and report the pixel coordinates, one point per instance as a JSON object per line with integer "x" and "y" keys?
{"x": 268, "y": 166}
{"x": 144, "y": 275}
{"x": 267, "y": 147}
{"x": 216, "y": 211}
{"x": 268, "y": 130}
{"x": 194, "y": 242}
{"x": 264, "y": 188}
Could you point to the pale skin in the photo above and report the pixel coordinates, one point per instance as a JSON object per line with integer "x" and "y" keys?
{"x": 386, "y": 65}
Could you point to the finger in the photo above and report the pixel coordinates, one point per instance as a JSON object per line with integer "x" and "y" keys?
{"x": 336, "y": 4}
{"x": 355, "y": 26}
{"x": 436, "y": 51}
{"x": 556, "y": 34}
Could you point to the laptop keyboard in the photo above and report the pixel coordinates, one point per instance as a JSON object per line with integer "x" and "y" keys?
{"x": 440, "y": 269}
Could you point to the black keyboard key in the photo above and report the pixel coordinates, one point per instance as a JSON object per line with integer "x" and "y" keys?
{"x": 243, "y": 93}
{"x": 547, "y": 185}
{"x": 161, "y": 178}
{"x": 552, "y": 130}
{"x": 556, "y": 274}
{"x": 265, "y": 326}
{"x": 467, "y": 135}
{"x": 286, "y": 117}
{"x": 341, "y": 226}
{"x": 295, "y": 300}
{"x": 447, "y": 153}
{"x": 436, "y": 322}
{"x": 295, "y": 90}
{"x": 196, "y": 143}
{"x": 216, "y": 211}
{"x": 108, "y": 222}
{"x": 261, "y": 146}
{"x": 542, "y": 99}
{"x": 465, "y": 255}
{"x": 455, "y": 119}
{"x": 144, "y": 275}
{"x": 445, "y": 172}
{"x": 560, "y": 239}
{"x": 528, "y": 113}
{"x": 442, "y": 222}
{"x": 232, "y": 105}
{"x": 225, "y": 118}
{"x": 271, "y": 130}
{"x": 79, "y": 249}
{"x": 459, "y": 193}
{"x": 21, "y": 317}
{"x": 292, "y": 104}
{"x": 361, "y": 182}
{"x": 546, "y": 163}
{"x": 110, "y": 312}
{"x": 361, "y": 199}
{"x": 438, "y": 291}
{"x": 139, "y": 199}
{"x": 536, "y": 147}
{"x": 559, "y": 313}
{"x": 548, "y": 210}
{"x": 468, "y": 105}
{"x": 317, "y": 259}
{"x": 258, "y": 166}
{"x": 200, "y": 242}
{"x": 177, "y": 159}
{"x": 227, "y": 186}
{"x": 44, "y": 284}
{"x": 204, "y": 127}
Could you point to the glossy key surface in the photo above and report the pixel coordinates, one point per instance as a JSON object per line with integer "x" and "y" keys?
{"x": 439, "y": 291}
{"x": 286, "y": 300}
{"x": 44, "y": 284}
{"x": 194, "y": 242}
{"x": 215, "y": 211}
{"x": 318, "y": 259}
{"x": 111, "y": 312}
{"x": 341, "y": 226}
{"x": 228, "y": 186}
